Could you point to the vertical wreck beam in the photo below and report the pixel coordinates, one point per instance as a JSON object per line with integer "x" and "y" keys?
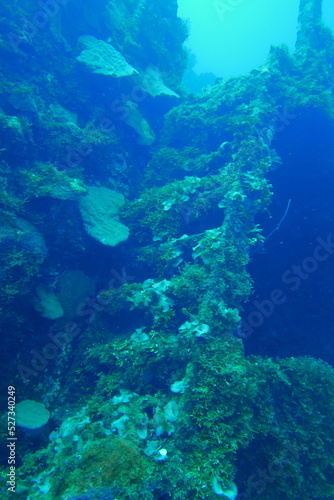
{"x": 309, "y": 26}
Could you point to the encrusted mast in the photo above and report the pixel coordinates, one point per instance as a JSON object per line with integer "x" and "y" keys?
{"x": 151, "y": 394}
{"x": 309, "y": 25}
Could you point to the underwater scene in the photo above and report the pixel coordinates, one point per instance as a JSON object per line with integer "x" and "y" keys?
{"x": 166, "y": 257}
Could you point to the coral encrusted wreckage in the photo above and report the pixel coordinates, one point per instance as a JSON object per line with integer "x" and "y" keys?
{"x": 141, "y": 360}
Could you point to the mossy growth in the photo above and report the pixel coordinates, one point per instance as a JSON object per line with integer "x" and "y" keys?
{"x": 168, "y": 164}
{"x": 23, "y": 252}
{"x": 189, "y": 285}
{"x": 109, "y": 462}
{"x": 158, "y": 210}
{"x": 292, "y": 455}
{"x": 40, "y": 179}
{"x": 237, "y": 417}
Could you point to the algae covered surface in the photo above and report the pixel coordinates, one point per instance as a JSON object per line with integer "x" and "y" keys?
{"x": 130, "y": 240}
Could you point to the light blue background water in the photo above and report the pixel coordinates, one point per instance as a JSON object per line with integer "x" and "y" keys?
{"x": 231, "y": 43}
